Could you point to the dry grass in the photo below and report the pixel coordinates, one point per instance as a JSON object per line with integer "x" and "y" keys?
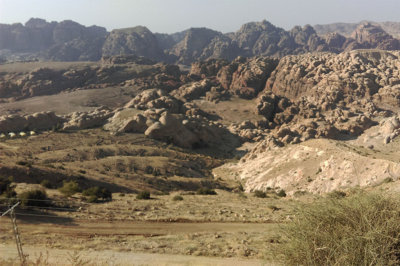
{"x": 362, "y": 229}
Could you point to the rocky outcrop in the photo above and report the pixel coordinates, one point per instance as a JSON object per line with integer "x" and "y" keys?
{"x": 186, "y": 131}
{"x": 250, "y": 76}
{"x": 84, "y": 120}
{"x": 36, "y": 121}
{"x": 208, "y": 68}
{"x": 372, "y": 36}
{"x": 357, "y": 73}
{"x": 155, "y": 99}
{"x": 385, "y": 132}
{"x": 192, "y": 91}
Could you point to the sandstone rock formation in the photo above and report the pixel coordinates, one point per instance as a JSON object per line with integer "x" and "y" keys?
{"x": 36, "y": 121}
{"x": 250, "y": 76}
{"x": 192, "y": 91}
{"x": 84, "y": 120}
{"x": 155, "y": 99}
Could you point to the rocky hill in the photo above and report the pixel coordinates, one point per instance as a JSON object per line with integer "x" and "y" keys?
{"x": 70, "y": 41}
{"x": 346, "y": 29}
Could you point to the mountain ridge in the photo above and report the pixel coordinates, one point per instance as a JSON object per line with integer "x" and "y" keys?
{"x": 70, "y": 41}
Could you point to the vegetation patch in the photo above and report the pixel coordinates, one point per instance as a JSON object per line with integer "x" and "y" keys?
{"x": 36, "y": 197}
{"x": 260, "y": 194}
{"x": 177, "y": 198}
{"x": 6, "y": 187}
{"x": 95, "y": 194}
{"x": 69, "y": 188}
{"x": 143, "y": 195}
{"x": 361, "y": 229}
{"x": 206, "y": 191}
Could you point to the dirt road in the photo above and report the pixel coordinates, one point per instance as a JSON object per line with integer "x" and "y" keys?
{"x": 110, "y": 256}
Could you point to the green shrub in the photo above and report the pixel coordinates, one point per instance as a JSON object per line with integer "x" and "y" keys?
{"x": 206, "y": 191}
{"x": 34, "y": 197}
{"x": 177, "y": 198}
{"x": 281, "y": 193}
{"x": 70, "y": 188}
{"x": 143, "y": 195}
{"x": 337, "y": 194}
{"x": 361, "y": 229}
{"x": 96, "y": 193}
{"x": 260, "y": 194}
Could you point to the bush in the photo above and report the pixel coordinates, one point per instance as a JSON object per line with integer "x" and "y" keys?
{"x": 337, "y": 194}
{"x": 281, "y": 193}
{"x": 206, "y": 191}
{"x": 143, "y": 195}
{"x": 177, "y": 198}
{"x": 260, "y": 194}
{"x": 46, "y": 183}
{"x": 70, "y": 188}
{"x": 34, "y": 197}
{"x": 361, "y": 229}
{"x": 96, "y": 193}
{"x": 6, "y": 189}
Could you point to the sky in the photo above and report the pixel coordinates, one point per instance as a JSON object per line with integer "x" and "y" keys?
{"x": 168, "y": 16}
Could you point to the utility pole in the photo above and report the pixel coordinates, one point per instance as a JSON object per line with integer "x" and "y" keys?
{"x": 16, "y": 232}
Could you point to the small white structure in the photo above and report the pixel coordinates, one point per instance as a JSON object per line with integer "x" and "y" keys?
{"x": 12, "y": 135}
{"x": 22, "y": 134}
{"x": 2, "y": 136}
{"x": 32, "y": 133}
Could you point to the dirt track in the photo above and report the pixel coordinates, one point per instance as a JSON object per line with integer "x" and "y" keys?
{"x": 32, "y": 233}
{"x": 66, "y": 257}
{"x": 137, "y": 228}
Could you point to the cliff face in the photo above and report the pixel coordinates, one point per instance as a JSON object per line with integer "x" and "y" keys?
{"x": 63, "y": 41}
{"x": 70, "y": 41}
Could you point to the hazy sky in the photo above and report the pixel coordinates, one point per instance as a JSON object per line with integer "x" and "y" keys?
{"x": 177, "y": 15}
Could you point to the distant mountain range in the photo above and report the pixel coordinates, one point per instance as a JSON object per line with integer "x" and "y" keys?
{"x": 71, "y": 41}
{"x": 346, "y": 29}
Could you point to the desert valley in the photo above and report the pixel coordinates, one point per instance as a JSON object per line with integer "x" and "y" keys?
{"x": 131, "y": 147}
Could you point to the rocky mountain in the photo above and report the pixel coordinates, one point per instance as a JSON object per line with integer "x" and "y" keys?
{"x": 138, "y": 40}
{"x": 70, "y": 41}
{"x": 346, "y": 29}
{"x": 58, "y": 41}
